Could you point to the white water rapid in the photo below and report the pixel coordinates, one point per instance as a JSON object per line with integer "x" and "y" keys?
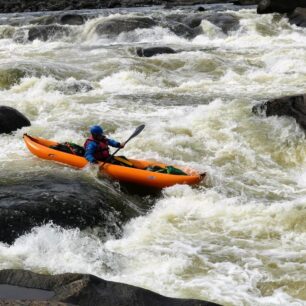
{"x": 238, "y": 239}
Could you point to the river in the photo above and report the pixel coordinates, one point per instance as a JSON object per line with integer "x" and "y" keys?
{"x": 237, "y": 239}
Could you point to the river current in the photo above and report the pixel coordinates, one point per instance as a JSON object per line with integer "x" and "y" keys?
{"x": 237, "y": 239}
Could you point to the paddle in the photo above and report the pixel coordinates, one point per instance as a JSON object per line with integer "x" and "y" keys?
{"x": 136, "y": 132}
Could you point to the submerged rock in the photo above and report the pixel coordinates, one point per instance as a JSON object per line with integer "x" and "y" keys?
{"x": 71, "y": 87}
{"x": 81, "y": 289}
{"x": 187, "y": 26}
{"x": 40, "y": 32}
{"x": 70, "y": 202}
{"x": 59, "y": 18}
{"x": 10, "y": 76}
{"x": 226, "y": 21}
{"x": 148, "y": 52}
{"x": 11, "y": 120}
{"x": 115, "y": 26}
{"x": 293, "y": 106}
{"x": 181, "y": 29}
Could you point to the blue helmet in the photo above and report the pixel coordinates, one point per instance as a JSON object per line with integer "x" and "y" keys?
{"x": 96, "y": 129}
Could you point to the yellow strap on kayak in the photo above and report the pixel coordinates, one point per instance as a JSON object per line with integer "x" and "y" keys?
{"x": 123, "y": 160}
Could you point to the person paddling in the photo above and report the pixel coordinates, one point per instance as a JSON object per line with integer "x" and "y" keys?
{"x": 96, "y": 146}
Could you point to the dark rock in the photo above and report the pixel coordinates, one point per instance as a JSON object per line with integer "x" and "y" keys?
{"x": 189, "y": 25}
{"x": 41, "y": 32}
{"x": 226, "y": 22}
{"x": 70, "y": 202}
{"x": 184, "y": 30}
{"x": 148, "y": 52}
{"x": 84, "y": 289}
{"x": 11, "y": 119}
{"x": 114, "y": 26}
{"x": 293, "y": 106}
{"x": 72, "y": 19}
{"x": 193, "y": 22}
{"x": 298, "y": 17}
{"x": 201, "y": 9}
{"x": 279, "y": 6}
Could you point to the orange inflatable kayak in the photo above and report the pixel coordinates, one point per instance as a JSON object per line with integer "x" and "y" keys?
{"x": 139, "y": 172}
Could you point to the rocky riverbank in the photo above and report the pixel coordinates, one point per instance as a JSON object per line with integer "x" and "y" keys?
{"x": 11, "y": 6}
{"x": 21, "y": 287}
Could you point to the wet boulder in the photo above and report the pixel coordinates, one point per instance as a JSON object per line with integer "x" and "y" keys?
{"x": 183, "y": 30}
{"x": 71, "y": 19}
{"x": 79, "y": 289}
{"x": 279, "y": 6}
{"x": 67, "y": 201}
{"x": 148, "y": 52}
{"x": 201, "y": 9}
{"x": 63, "y": 19}
{"x": 224, "y": 21}
{"x": 114, "y": 26}
{"x": 40, "y": 32}
{"x": 298, "y": 17}
{"x": 176, "y": 18}
{"x": 293, "y": 106}
{"x": 11, "y": 120}
{"x": 192, "y": 20}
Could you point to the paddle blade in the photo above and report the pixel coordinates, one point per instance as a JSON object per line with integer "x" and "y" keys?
{"x": 136, "y": 132}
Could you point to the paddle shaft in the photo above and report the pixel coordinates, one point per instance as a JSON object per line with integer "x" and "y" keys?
{"x": 136, "y": 132}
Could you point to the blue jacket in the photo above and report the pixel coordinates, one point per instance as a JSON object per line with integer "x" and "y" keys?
{"x": 92, "y": 146}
